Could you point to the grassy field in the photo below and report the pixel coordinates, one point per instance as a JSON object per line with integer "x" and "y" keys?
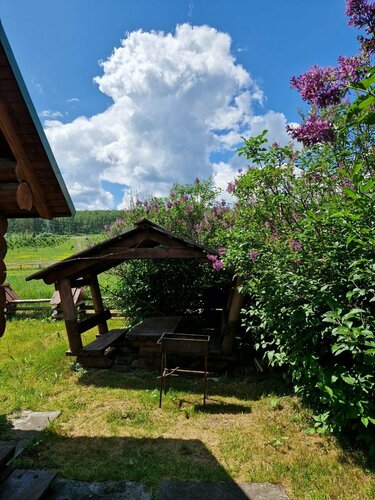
{"x": 28, "y": 257}
{"x": 24, "y": 261}
{"x": 111, "y": 427}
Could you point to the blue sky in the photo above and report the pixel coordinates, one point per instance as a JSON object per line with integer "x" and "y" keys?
{"x": 169, "y": 107}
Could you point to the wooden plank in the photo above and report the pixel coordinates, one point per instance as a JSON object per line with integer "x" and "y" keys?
{"x": 31, "y": 301}
{"x": 154, "y": 327}
{"x": 6, "y": 454}
{"x": 26, "y": 485}
{"x": 96, "y": 319}
{"x": 98, "y": 346}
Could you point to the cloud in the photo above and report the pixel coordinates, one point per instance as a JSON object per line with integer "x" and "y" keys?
{"x": 72, "y": 100}
{"x": 49, "y": 113}
{"x": 178, "y": 100}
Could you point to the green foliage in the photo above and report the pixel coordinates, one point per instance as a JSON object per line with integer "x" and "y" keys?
{"x": 167, "y": 287}
{"x": 41, "y": 240}
{"x": 303, "y": 241}
{"x": 362, "y": 109}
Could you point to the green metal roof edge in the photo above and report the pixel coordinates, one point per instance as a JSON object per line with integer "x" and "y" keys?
{"x": 35, "y": 118}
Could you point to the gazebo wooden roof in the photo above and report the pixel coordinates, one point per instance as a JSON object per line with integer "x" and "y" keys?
{"x": 146, "y": 240}
{"x": 30, "y": 181}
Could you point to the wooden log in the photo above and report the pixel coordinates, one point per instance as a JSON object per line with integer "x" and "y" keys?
{"x": 7, "y": 170}
{"x": 3, "y": 247}
{"x": 233, "y": 320}
{"x": 24, "y": 196}
{"x": 98, "y": 303}
{"x": 3, "y": 225}
{"x": 18, "y": 151}
{"x": 70, "y": 317}
{"x": 3, "y": 272}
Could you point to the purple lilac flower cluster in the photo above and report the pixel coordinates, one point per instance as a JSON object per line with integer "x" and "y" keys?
{"x": 327, "y": 86}
{"x": 253, "y": 255}
{"x": 217, "y": 263}
{"x": 296, "y": 245}
{"x": 318, "y": 86}
{"x": 313, "y": 131}
{"x": 361, "y": 14}
{"x": 323, "y": 87}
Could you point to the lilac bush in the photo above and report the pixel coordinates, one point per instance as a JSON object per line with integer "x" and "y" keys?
{"x": 302, "y": 240}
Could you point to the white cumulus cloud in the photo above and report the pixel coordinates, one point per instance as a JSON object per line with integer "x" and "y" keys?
{"x": 178, "y": 99}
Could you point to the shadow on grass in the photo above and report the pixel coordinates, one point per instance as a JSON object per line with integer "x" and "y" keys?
{"x": 250, "y": 388}
{"x": 218, "y": 407}
{"x": 5, "y": 428}
{"x": 126, "y": 458}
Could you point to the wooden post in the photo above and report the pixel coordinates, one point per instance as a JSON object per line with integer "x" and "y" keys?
{"x": 233, "y": 320}
{"x": 70, "y": 317}
{"x": 3, "y": 273}
{"x": 98, "y": 302}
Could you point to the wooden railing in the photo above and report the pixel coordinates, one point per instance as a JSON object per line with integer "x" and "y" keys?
{"x": 31, "y": 307}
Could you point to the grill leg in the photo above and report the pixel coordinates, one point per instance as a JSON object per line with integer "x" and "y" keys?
{"x": 162, "y": 378}
{"x": 205, "y": 381}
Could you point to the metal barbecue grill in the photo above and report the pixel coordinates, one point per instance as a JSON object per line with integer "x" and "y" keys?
{"x": 182, "y": 344}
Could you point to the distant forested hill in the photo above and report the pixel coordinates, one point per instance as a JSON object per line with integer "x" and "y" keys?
{"x": 84, "y": 222}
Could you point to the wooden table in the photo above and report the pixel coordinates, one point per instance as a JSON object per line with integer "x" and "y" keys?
{"x": 153, "y": 328}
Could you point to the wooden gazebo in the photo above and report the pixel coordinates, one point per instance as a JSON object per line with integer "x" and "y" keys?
{"x": 146, "y": 240}
{"x": 30, "y": 181}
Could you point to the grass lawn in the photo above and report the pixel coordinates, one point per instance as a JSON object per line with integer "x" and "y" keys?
{"x": 111, "y": 426}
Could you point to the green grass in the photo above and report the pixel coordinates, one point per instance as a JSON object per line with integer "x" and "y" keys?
{"x": 112, "y": 429}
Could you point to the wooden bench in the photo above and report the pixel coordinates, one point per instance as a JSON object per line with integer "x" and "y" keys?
{"x": 94, "y": 354}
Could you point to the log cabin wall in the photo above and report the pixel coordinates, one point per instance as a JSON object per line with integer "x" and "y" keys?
{"x": 3, "y": 251}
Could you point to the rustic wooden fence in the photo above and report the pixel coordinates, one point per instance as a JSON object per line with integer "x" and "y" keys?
{"x": 30, "y": 308}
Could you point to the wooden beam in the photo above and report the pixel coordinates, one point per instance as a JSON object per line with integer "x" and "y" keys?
{"x": 18, "y": 151}
{"x": 98, "y": 303}
{"x": 150, "y": 253}
{"x": 233, "y": 320}
{"x": 70, "y": 317}
{"x": 96, "y": 319}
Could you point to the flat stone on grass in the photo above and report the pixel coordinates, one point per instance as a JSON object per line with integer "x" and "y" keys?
{"x": 194, "y": 490}
{"x": 33, "y": 420}
{"x": 65, "y": 489}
